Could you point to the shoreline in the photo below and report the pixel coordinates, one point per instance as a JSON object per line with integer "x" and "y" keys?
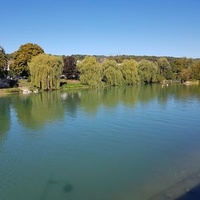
{"x": 26, "y": 88}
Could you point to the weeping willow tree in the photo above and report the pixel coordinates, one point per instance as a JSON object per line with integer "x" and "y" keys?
{"x": 111, "y": 73}
{"x": 129, "y": 69}
{"x": 90, "y": 71}
{"x": 45, "y": 71}
{"x": 148, "y": 71}
{"x": 165, "y": 68}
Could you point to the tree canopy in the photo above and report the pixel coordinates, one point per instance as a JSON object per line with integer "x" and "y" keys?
{"x": 148, "y": 71}
{"x": 3, "y": 61}
{"x": 195, "y": 70}
{"x": 23, "y": 56}
{"x": 165, "y": 68}
{"x": 111, "y": 72}
{"x": 45, "y": 71}
{"x": 70, "y": 69}
{"x": 129, "y": 69}
{"x": 90, "y": 72}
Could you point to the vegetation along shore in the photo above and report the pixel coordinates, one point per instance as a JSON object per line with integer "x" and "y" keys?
{"x": 30, "y": 68}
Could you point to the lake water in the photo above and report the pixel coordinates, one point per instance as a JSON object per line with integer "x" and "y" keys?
{"x": 128, "y": 143}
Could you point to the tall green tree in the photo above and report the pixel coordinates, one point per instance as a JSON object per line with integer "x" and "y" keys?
{"x": 179, "y": 64}
{"x": 45, "y": 71}
{"x": 195, "y": 70}
{"x": 129, "y": 69}
{"x": 185, "y": 74}
{"x": 165, "y": 68}
{"x": 90, "y": 71}
{"x": 111, "y": 73}
{"x": 3, "y": 61}
{"x": 148, "y": 71}
{"x": 23, "y": 56}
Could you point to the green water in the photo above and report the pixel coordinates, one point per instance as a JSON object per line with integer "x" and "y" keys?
{"x": 113, "y": 144}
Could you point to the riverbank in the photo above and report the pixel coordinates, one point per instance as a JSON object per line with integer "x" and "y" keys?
{"x": 72, "y": 84}
{"x": 191, "y": 83}
{"x": 25, "y": 86}
{"x": 6, "y": 91}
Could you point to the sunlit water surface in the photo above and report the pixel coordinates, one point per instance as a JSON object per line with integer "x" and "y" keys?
{"x": 113, "y": 144}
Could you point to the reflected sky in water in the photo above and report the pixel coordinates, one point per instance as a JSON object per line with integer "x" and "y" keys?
{"x": 112, "y": 144}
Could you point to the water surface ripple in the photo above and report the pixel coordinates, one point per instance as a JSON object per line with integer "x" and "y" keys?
{"x": 113, "y": 144}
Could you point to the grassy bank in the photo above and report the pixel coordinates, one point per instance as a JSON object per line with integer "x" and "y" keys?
{"x": 25, "y": 84}
{"x": 71, "y": 84}
{"x": 6, "y": 91}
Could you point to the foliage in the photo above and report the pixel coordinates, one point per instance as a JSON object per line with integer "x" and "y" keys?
{"x": 71, "y": 84}
{"x": 23, "y": 56}
{"x": 45, "y": 71}
{"x": 192, "y": 72}
{"x": 185, "y": 74}
{"x": 79, "y": 57}
{"x": 3, "y": 61}
{"x": 70, "y": 69}
{"x": 111, "y": 73}
{"x": 112, "y": 70}
{"x": 165, "y": 68}
{"x": 129, "y": 69}
{"x": 90, "y": 71}
{"x": 121, "y": 58}
{"x": 9, "y": 56}
{"x": 195, "y": 70}
{"x": 148, "y": 71}
{"x": 24, "y": 83}
{"x": 178, "y": 64}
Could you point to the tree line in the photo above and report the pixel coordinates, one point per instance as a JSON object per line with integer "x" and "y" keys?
{"x": 44, "y": 70}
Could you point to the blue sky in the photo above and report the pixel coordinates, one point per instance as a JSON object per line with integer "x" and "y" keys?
{"x": 103, "y": 27}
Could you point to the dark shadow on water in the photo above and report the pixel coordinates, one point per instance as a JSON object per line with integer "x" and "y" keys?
{"x": 59, "y": 187}
{"x": 192, "y": 194}
{"x": 186, "y": 189}
{"x": 68, "y": 188}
